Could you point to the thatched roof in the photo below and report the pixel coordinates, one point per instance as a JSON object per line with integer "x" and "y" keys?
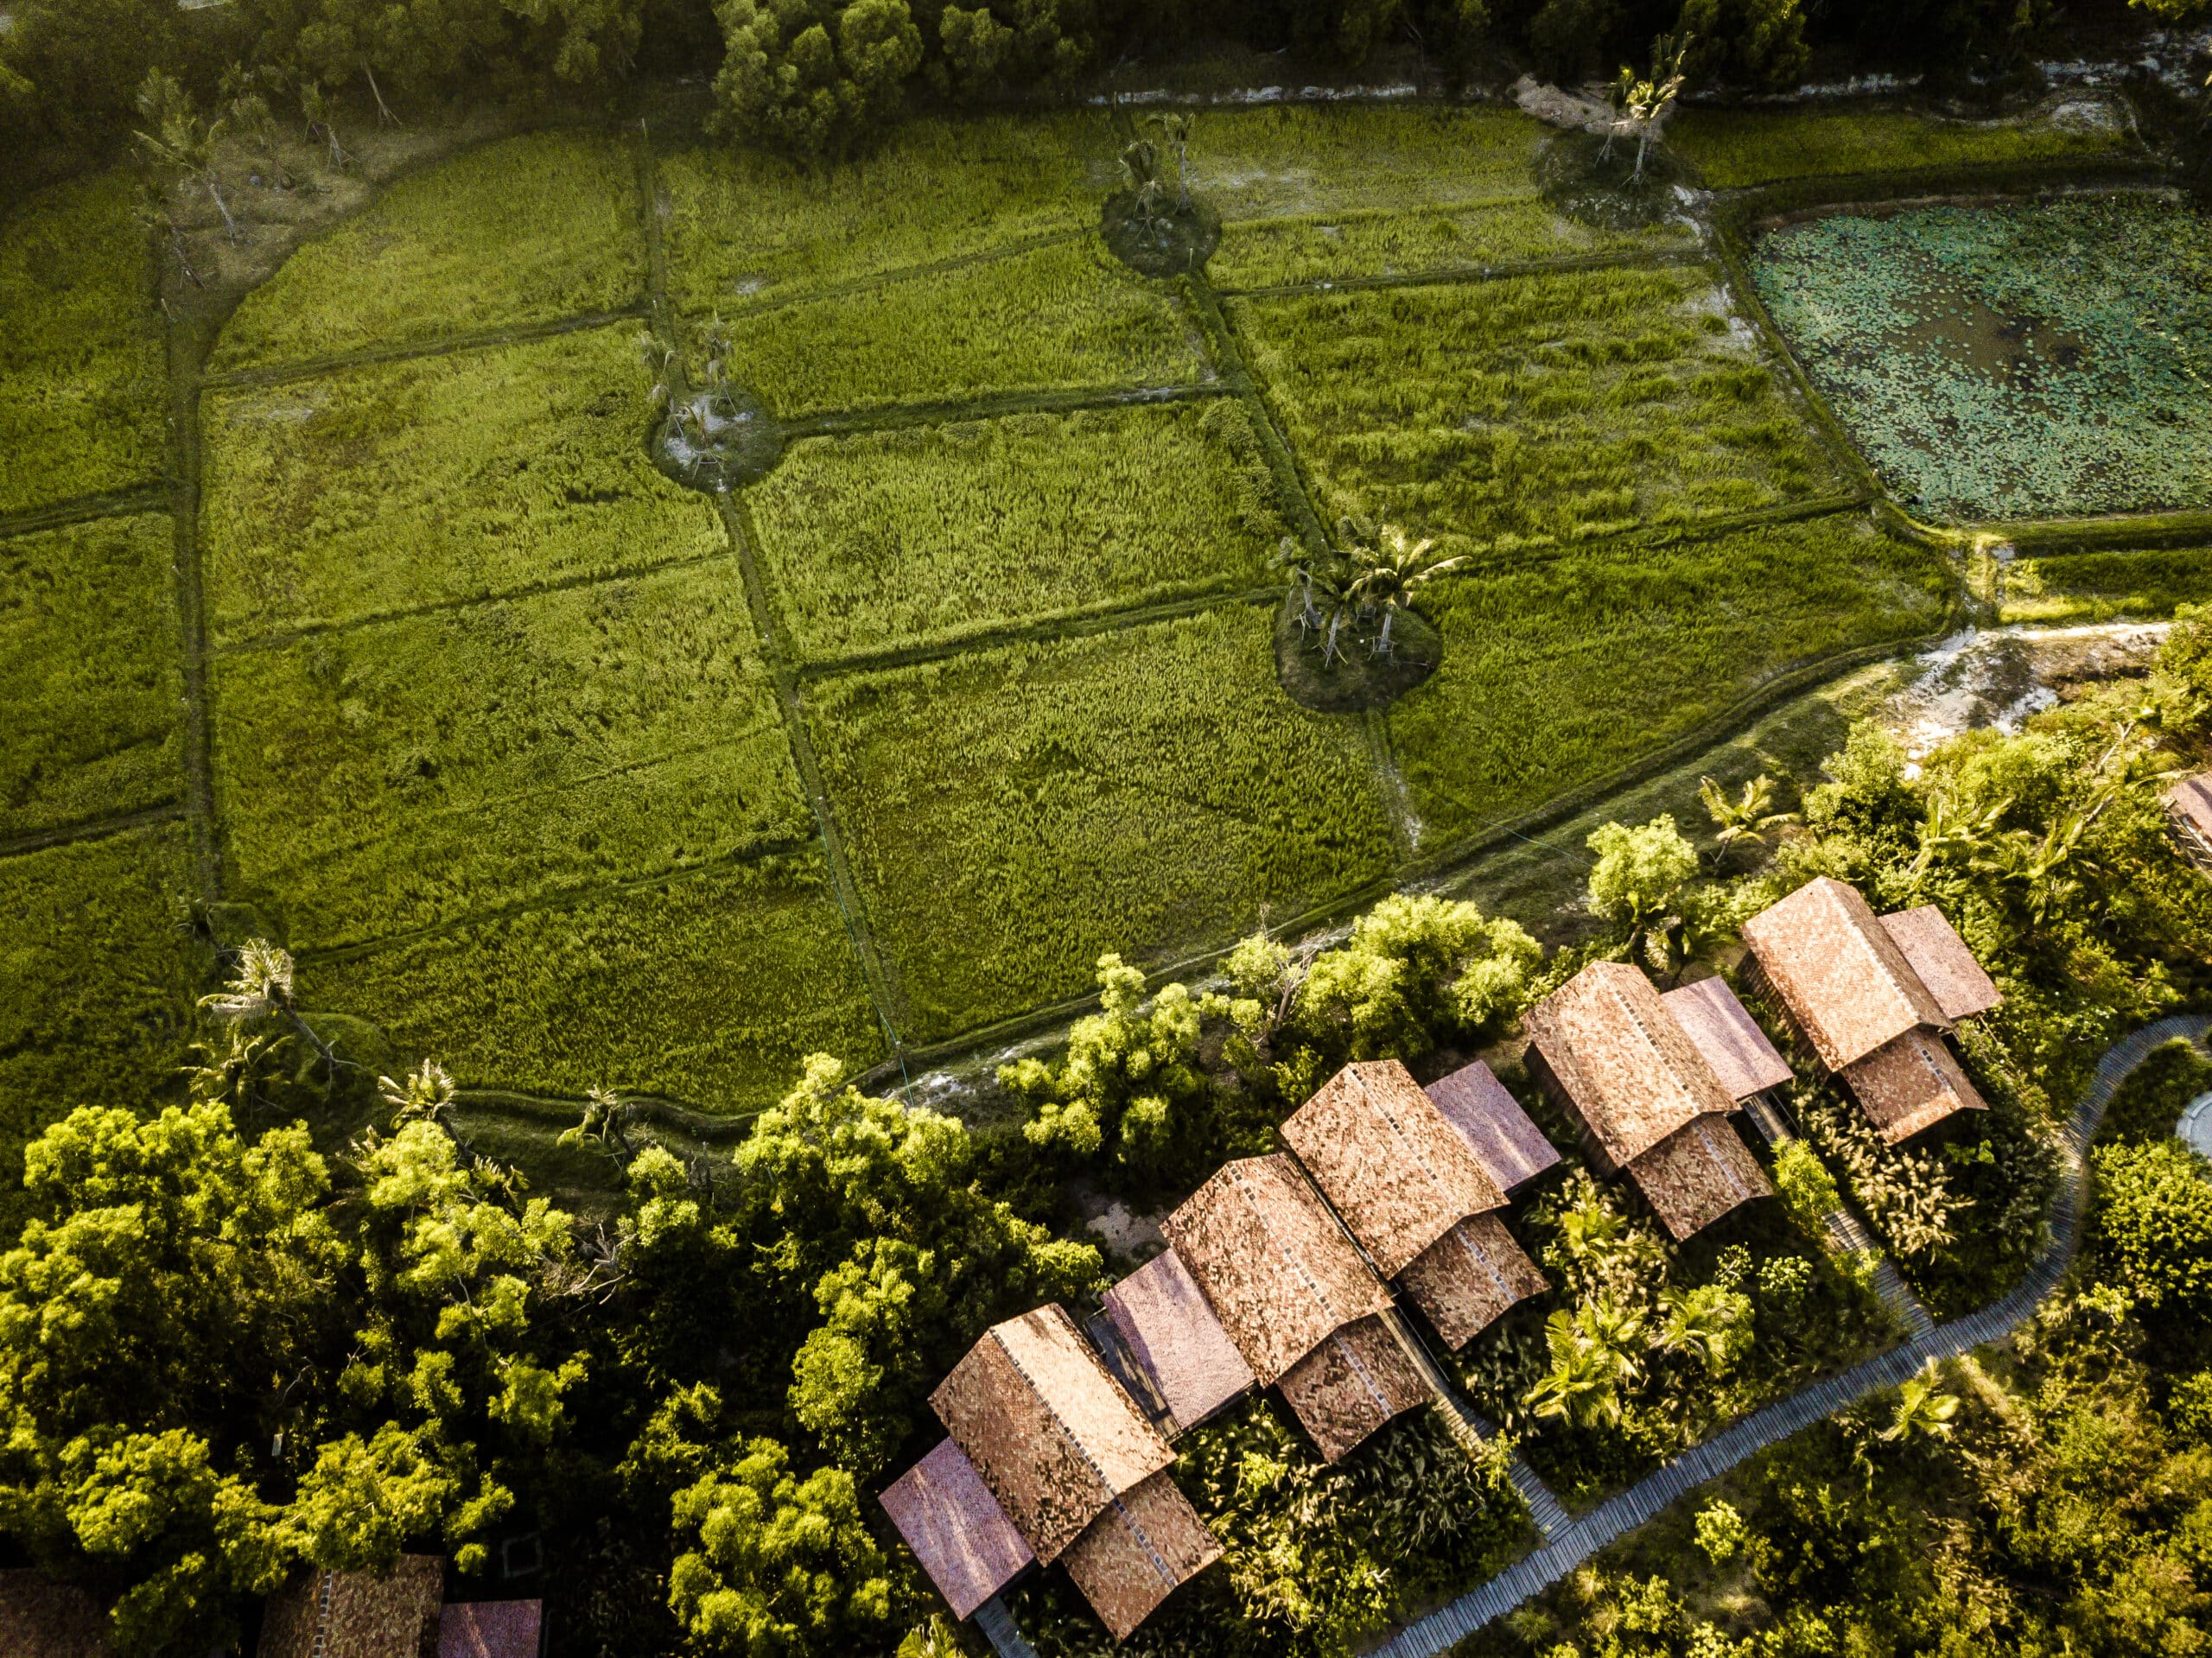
{"x": 1469, "y": 1278}
{"x": 1511, "y": 1149}
{"x": 1910, "y": 1085}
{"x": 1722, "y": 1030}
{"x": 1696, "y": 1175}
{"x": 2190, "y": 800}
{"x": 1388, "y": 1162}
{"x": 1274, "y": 1264}
{"x": 40, "y": 1618}
{"x": 491, "y": 1629}
{"x": 1845, "y": 982}
{"x": 360, "y": 1616}
{"x": 1623, "y": 1062}
{"x": 1046, "y": 1428}
{"x": 1351, "y": 1384}
{"x": 1944, "y": 963}
{"x": 1150, "y": 1541}
{"x": 1170, "y": 1332}
{"x": 956, "y": 1529}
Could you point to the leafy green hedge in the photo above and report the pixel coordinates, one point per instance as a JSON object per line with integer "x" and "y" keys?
{"x": 406, "y": 773}
{"x": 83, "y": 386}
{"x": 1523, "y": 413}
{"x": 89, "y": 673}
{"x": 527, "y": 230}
{"x": 401, "y": 485}
{"x": 1016, "y": 814}
{"x": 1731, "y": 148}
{"x": 710, "y": 987}
{"x": 906, "y": 538}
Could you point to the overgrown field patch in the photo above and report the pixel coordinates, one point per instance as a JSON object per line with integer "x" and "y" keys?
{"x": 84, "y": 405}
{"x": 1286, "y": 159}
{"x": 1014, "y": 813}
{"x": 90, "y": 679}
{"x": 387, "y": 778}
{"x": 709, "y": 988}
{"x": 912, "y": 536}
{"x": 1052, "y": 319}
{"x": 742, "y": 224}
{"x": 2103, "y": 587}
{"x": 525, "y": 230}
{"x": 396, "y": 486}
{"x": 1732, "y": 147}
{"x": 1534, "y": 410}
{"x": 1556, "y": 675}
{"x": 2011, "y": 362}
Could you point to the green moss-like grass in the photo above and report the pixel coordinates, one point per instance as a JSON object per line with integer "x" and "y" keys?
{"x": 913, "y": 536}
{"x": 89, "y": 674}
{"x": 83, "y": 387}
{"x": 525, "y": 230}
{"x": 1055, "y": 318}
{"x": 397, "y": 485}
{"x": 743, "y": 224}
{"x": 710, "y": 987}
{"x": 393, "y": 776}
{"x": 1014, "y": 813}
{"x": 1556, "y": 675}
{"x": 2104, "y": 586}
{"x": 1522, "y": 413}
{"x": 1732, "y": 147}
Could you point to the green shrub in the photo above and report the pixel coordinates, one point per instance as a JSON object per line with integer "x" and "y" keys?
{"x": 1016, "y": 814}
{"x": 1506, "y": 415}
{"x": 910, "y": 536}
{"x": 2149, "y": 1103}
{"x": 527, "y": 230}
{"x": 1807, "y": 1190}
{"x": 1738, "y": 147}
{"x": 2154, "y": 1225}
{"x": 1058, "y": 317}
{"x": 422, "y": 770}
{"x": 710, "y": 987}
{"x": 89, "y": 674}
{"x": 742, "y": 223}
{"x": 2100, "y": 587}
{"x": 83, "y": 388}
{"x": 397, "y": 485}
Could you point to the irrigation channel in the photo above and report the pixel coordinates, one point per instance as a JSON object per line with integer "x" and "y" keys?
{"x": 1565, "y": 1547}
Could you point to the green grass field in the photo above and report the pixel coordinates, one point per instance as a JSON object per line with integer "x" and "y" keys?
{"x": 1058, "y": 317}
{"x": 2104, "y": 586}
{"x": 1014, "y": 813}
{"x": 1733, "y": 148}
{"x": 418, "y": 771}
{"x": 388, "y": 488}
{"x": 1533, "y": 411}
{"x": 1282, "y": 160}
{"x": 742, "y": 225}
{"x": 527, "y": 230}
{"x": 83, "y": 406}
{"x": 89, "y": 674}
{"x": 914, "y": 536}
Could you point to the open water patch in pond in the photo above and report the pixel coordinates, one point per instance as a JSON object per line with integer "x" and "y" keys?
{"x": 718, "y": 440}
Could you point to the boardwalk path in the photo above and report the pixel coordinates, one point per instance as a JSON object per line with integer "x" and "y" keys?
{"x": 1578, "y": 1540}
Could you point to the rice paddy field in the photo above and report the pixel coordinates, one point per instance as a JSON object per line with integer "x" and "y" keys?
{"x": 403, "y": 650}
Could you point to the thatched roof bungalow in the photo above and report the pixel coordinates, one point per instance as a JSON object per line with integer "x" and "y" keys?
{"x": 356, "y": 1614}
{"x": 1510, "y": 1147}
{"x": 956, "y": 1529}
{"x": 1164, "y": 1325}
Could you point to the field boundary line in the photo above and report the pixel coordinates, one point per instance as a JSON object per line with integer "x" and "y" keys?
{"x": 141, "y": 500}
{"x": 92, "y": 829}
{"x": 512, "y": 333}
{"x": 746, "y": 306}
{"x": 1352, "y": 215}
{"x": 2153, "y": 530}
{"x": 992, "y": 406}
{"x": 1474, "y": 275}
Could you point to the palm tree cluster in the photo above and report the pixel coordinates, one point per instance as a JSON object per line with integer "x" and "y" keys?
{"x": 1640, "y": 102}
{"x": 1364, "y": 578}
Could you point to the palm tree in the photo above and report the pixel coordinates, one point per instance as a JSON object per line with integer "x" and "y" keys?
{"x": 1949, "y": 834}
{"x": 1174, "y": 129}
{"x": 1921, "y": 1411}
{"x": 1749, "y": 818}
{"x": 176, "y": 139}
{"x": 1386, "y": 578}
{"x": 1639, "y": 105}
{"x": 1140, "y": 172}
{"x": 1583, "y": 1385}
{"x": 1703, "y": 1323}
{"x": 427, "y": 1096}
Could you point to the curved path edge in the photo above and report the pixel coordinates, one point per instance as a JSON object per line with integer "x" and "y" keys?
{"x": 1621, "y": 1514}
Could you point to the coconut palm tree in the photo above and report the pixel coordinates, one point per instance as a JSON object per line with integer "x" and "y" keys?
{"x": 1583, "y": 1386}
{"x": 1173, "y": 127}
{"x": 1706, "y": 1323}
{"x": 1748, "y": 818}
{"x": 1140, "y": 172}
{"x": 1640, "y": 105}
{"x": 1921, "y": 1411}
{"x": 1950, "y": 835}
{"x": 1386, "y": 577}
{"x": 177, "y": 141}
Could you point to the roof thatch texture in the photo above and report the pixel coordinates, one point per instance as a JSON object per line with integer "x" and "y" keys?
{"x": 2191, "y": 800}
{"x": 1623, "y": 1062}
{"x": 1274, "y": 1266}
{"x": 1169, "y": 1331}
{"x": 956, "y": 1529}
{"x": 1698, "y": 1174}
{"x": 1147, "y": 1543}
{"x": 1350, "y": 1385}
{"x": 1944, "y": 963}
{"x": 1910, "y": 1085}
{"x": 1511, "y": 1149}
{"x": 40, "y": 1618}
{"x": 1469, "y": 1278}
{"x": 1845, "y": 982}
{"x": 1388, "y": 1162}
{"x": 1722, "y": 1030}
{"x": 364, "y": 1617}
{"x": 491, "y": 1629}
{"x": 1046, "y": 1428}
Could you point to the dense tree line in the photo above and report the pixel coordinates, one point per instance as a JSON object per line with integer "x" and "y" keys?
{"x": 816, "y": 76}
